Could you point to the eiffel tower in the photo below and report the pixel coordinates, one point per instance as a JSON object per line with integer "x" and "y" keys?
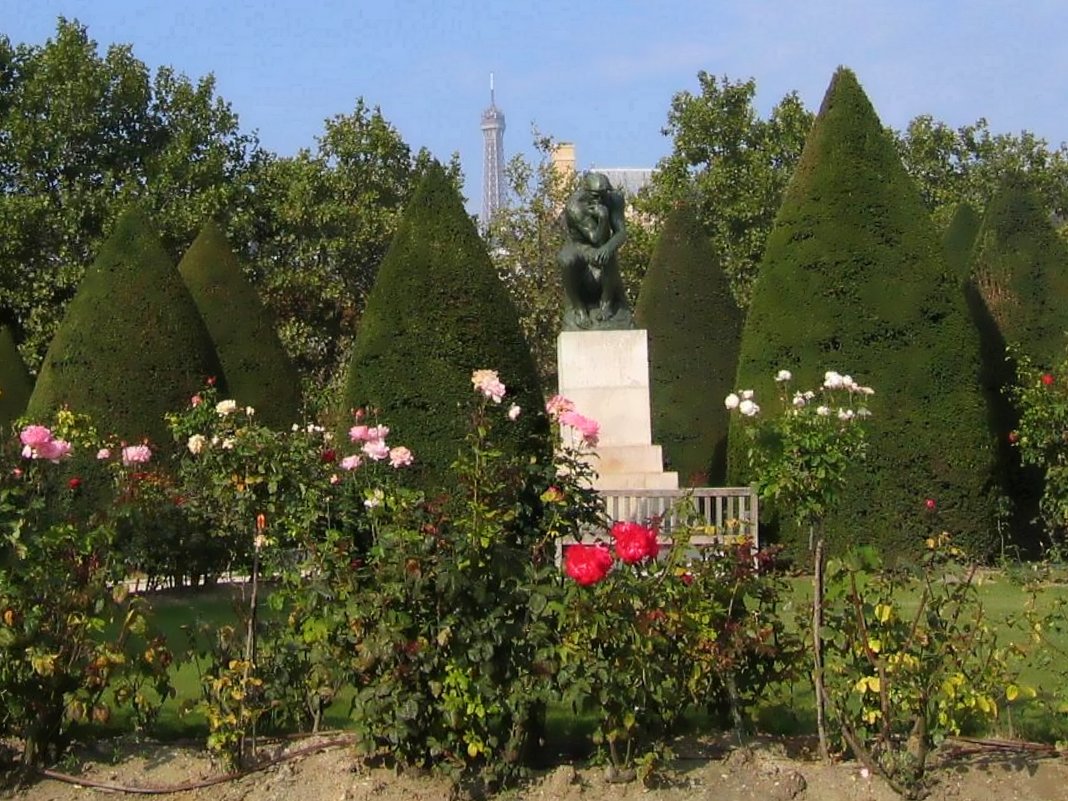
{"x": 493, "y": 192}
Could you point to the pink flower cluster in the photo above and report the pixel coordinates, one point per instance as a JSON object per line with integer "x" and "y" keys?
{"x": 374, "y": 447}
{"x": 562, "y": 410}
{"x": 489, "y": 384}
{"x": 38, "y": 443}
{"x": 136, "y": 454}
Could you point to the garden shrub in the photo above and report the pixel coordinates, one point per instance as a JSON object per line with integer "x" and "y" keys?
{"x": 694, "y": 329}
{"x": 1019, "y": 276}
{"x": 437, "y": 312}
{"x": 258, "y": 371}
{"x": 16, "y": 385}
{"x": 132, "y": 345}
{"x": 854, "y": 277}
{"x": 73, "y": 645}
{"x": 959, "y": 238}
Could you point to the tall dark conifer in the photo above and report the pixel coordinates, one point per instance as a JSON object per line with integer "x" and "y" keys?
{"x": 854, "y": 279}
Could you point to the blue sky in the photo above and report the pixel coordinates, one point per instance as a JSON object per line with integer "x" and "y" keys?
{"x": 600, "y": 74}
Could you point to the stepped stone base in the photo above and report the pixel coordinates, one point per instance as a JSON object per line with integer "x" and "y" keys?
{"x": 606, "y": 374}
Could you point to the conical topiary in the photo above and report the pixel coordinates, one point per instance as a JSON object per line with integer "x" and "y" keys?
{"x": 132, "y": 345}
{"x": 854, "y": 279}
{"x": 1018, "y": 292}
{"x": 959, "y": 238}
{"x": 1020, "y": 268}
{"x": 436, "y": 313}
{"x": 694, "y": 329}
{"x": 258, "y": 371}
{"x": 16, "y": 385}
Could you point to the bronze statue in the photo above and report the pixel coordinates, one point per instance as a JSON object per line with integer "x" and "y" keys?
{"x": 595, "y": 228}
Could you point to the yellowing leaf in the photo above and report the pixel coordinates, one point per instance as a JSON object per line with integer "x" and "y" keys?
{"x": 883, "y": 612}
{"x": 1012, "y": 692}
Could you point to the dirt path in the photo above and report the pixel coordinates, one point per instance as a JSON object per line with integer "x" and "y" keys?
{"x": 705, "y": 770}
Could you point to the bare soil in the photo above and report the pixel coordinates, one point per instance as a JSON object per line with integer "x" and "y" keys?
{"x": 765, "y": 770}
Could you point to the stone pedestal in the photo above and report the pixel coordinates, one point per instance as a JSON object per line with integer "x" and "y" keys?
{"x": 606, "y": 374}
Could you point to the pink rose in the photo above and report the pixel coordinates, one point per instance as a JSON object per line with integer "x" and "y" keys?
{"x": 589, "y": 429}
{"x": 489, "y": 384}
{"x": 35, "y": 436}
{"x": 53, "y": 450}
{"x": 358, "y": 433}
{"x": 350, "y": 462}
{"x": 136, "y": 454}
{"x": 557, "y": 405}
{"x": 376, "y": 449}
{"x": 103, "y": 453}
{"x": 400, "y": 456}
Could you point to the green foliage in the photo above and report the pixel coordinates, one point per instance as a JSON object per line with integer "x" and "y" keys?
{"x": 694, "y": 334}
{"x": 696, "y": 628}
{"x": 437, "y": 313}
{"x": 1041, "y": 401}
{"x": 900, "y": 680}
{"x": 16, "y": 385}
{"x": 1020, "y": 268}
{"x": 73, "y": 645}
{"x": 132, "y": 346}
{"x": 959, "y": 238}
{"x": 854, "y": 274}
{"x": 732, "y": 166}
{"x": 802, "y": 457}
{"x": 322, "y": 222}
{"x": 258, "y": 371}
{"x": 966, "y": 164}
{"x": 524, "y": 238}
{"x": 82, "y": 134}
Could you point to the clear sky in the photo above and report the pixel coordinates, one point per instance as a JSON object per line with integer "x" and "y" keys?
{"x": 598, "y": 73}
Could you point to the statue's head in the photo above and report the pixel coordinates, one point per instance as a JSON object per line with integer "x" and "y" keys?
{"x": 596, "y": 183}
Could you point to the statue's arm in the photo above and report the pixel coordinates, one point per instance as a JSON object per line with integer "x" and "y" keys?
{"x": 617, "y": 218}
{"x": 581, "y": 227}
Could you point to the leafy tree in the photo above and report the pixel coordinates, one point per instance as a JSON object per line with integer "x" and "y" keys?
{"x": 132, "y": 345}
{"x": 966, "y": 165}
{"x": 694, "y": 329}
{"x": 732, "y": 165}
{"x": 15, "y": 381}
{"x": 437, "y": 313}
{"x": 258, "y": 371}
{"x": 323, "y": 222}
{"x": 854, "y": 279}
{"x": 81, "y": 134}
{"x": 524, "y": 238}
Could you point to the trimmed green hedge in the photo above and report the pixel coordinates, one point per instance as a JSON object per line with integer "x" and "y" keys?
{"x": 436, "y": 313}
{"x": 1020, "y": 268}
{"x": 695, "y": 329}
{"x": 958, "y": 239}
{"x": 258, "y": 371}
{"x": 16, "y": 385}
{"x": 132, "y": 345}
{"x": 854, "y": 279}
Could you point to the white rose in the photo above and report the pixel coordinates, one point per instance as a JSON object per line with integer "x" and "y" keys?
{"x": 228, "y": 444}
{"x": 513, "y": 412}
{"x": 249, "y": 411}
{"x": 748, "y": 408}
{"x": 832, "y": 380}
{"x": 196, "y": 443}
{"x": 823, "y": 411}
{"x": 731, "y": 401}
{"x": 747, "y": 394}
{"x": 799, "y": 400}
{"x": 845, "y": 414}
{"x": 225, "y": 407}
{"x": 783, "y": 375}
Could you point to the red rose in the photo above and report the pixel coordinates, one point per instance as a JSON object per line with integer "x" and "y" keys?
{"x": 328, "y": 456}
{"x": 210, "y": 381}
{"x": 930, "y": 503}
{"x": 74, "y": 483}
{"x": 587, "y": 564}
{"x": 1047, "y": 379}
{"x": 686, "y": 578}
{"x": 1014, "y": 437}
{"x": 634, "y": 542}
